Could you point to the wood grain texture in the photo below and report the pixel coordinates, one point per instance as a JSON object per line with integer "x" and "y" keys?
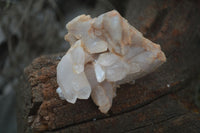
{"x": 163, "y": 115}
{"x": 148, "y": 105}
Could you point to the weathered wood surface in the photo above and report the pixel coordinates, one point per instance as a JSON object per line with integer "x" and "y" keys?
{"x": 148, "y": 105}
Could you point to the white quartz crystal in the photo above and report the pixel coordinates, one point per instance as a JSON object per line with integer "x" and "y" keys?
{"x": 73, "y": 85}
{"x": 78, "y": 57}
{"x": 100, "y": 73}
{"x": 105, "y": 52}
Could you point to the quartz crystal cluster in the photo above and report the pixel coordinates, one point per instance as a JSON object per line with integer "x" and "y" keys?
{"x": 105, "y": 52}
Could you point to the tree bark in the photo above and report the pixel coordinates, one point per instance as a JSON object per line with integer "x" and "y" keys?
{"x": 155, "y": 103}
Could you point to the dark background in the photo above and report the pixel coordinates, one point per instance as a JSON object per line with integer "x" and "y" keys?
{"x": 32, "y": 28}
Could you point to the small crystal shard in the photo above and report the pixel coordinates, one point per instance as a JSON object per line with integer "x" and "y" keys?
{"x": 78, "y": 57}
{"x": 105, "y": 52}
{"x": 100, "y": 74}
